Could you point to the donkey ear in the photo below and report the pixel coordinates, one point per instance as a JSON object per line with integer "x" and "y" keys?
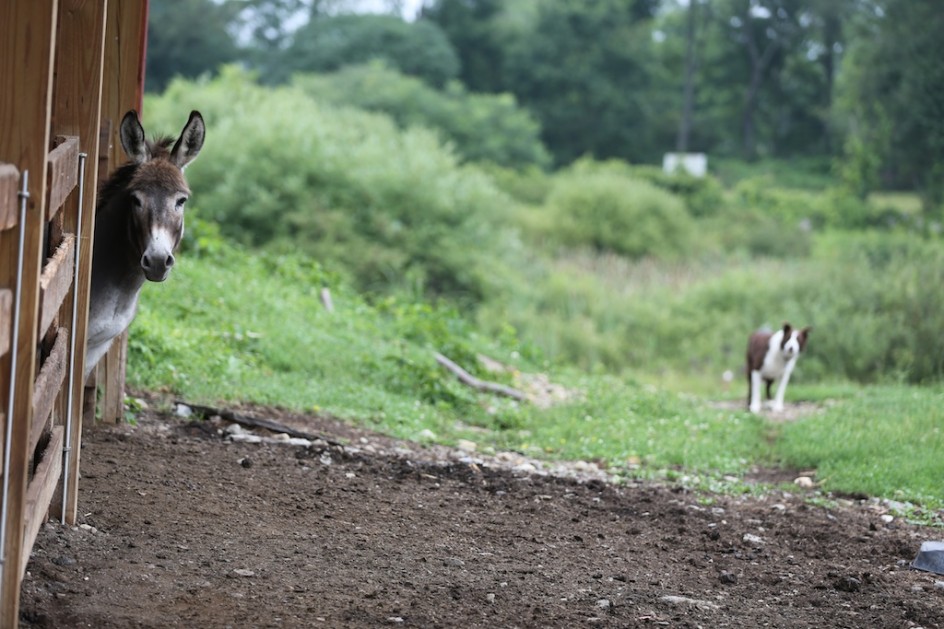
{"x": 787, "y": 328}
{"x": 190, "y": 141}
{"x": 132, "y": 138}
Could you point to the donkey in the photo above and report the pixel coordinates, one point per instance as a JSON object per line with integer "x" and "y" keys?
{"x": 138, "y": 226}
{"x": 772, "y": 356}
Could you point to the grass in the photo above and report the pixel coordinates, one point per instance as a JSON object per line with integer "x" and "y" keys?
{"x": 239, "y": 327}
{"x": 884, "y": 440}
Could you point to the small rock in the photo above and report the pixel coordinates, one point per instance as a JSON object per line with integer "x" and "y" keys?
{"x": 246, "y": 438}
{"x": 234, "y": 429}
{"x": 395, "y": 620}
{"x": 848, "y": 584}
{"x": 182, "y": 410}
{"x": 63, "y": 560}
{"x": 525, "y": 467}
{"x": 728, "y": 578}
{"x": 604, "y": 603}
{"x": 917, "y": 589}
{"x": 779, "y": 507}
{"x": 691, "y": 602}
{"x": 242, "y": 572}
{"x": 750, "y": 538}
{"x": 490, "y": 597}
{"x": 804, "y": 481}
{"x": 939, "y": 585}
{"x": 426, "y": 435}
{"x": 887, "y": 519}
{"x": 467, "y": 446}
{"x": 245, "y": 462}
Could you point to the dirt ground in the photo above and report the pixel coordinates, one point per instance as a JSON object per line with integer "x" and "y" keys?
{"x": 192, "y": 524}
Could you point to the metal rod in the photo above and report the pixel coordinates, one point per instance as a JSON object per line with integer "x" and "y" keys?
{"x": 24, "y": 197}
{"x": 67, "y": 446}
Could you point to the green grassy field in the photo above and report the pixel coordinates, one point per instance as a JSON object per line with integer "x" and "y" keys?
{"x": 238, "y": 327}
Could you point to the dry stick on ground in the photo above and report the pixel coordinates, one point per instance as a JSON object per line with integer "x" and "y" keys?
{"x": 256, "y": 422}
{"x": 481, "y": 385}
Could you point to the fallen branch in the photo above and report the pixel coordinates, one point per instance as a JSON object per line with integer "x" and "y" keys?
{"x": 256, "y": 422}
{"x": 480, "y": 385}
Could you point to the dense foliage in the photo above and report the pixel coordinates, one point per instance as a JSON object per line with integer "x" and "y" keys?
{"x": 392, "y": 207}
{"x": 481, "y": 127}
{"x": 331, "y": 42}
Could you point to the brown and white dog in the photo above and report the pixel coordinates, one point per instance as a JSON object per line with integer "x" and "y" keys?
{"x": 772, "y": 356}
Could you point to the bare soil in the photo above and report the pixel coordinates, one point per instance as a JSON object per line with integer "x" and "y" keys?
{"x": 183, "y": 526}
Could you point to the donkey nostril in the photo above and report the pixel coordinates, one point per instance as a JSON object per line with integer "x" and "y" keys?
{"x": 169, "y": 262}
{"x": 145, "y": 262}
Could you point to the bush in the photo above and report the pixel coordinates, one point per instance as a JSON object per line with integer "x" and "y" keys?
{"x": 607, "y": 211}
{"x": 394, "y": 208}
{"x": 755, "y": 233}
{"x": 789, "y": 205}
{"x": 480, "y": 127}
{"x": 703, "y": 196}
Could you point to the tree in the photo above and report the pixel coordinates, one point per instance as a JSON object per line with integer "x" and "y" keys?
{"x": 187, "y": 38}
{"x": 586, "y": 70}
{"x": 894, "y": 94}
{"x": 330, "y": 42}
{"x": 688, "y": 86}
{"x": 480, "y": 127}
{"x": 766, "y": 31}
{"x": 473, "y": 27}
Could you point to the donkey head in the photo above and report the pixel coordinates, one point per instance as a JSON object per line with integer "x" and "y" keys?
{"x": 158, "y": 191}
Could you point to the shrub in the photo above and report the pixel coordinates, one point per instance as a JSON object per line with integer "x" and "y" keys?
{"x": 789, "y": 205}
{"x": 703, "y": 196}
{"x": 607, "y": 211}
{"x": 480, "y": 127}
{"x": 393, "y": 207}
{"x": 756, "y": 233}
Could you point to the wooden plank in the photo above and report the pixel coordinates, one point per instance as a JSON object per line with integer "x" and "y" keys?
{"x": 48, "y": 384}
{"x": 122, "y": 89}
{"x": 63, "y": 173}
{"x": 6, "y": 319}
{"x": 123, "y": 84}
{"x": 77, "y": 110}
{"x": 56, "y": 281}
{"x": 41, "y": 490}
{"x": 111, "y": 374}
{"x": 9, "y": 186}
{"x": 27, "y": 34}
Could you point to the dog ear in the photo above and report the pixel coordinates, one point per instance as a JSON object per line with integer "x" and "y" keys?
{"x": 787, "y": 329}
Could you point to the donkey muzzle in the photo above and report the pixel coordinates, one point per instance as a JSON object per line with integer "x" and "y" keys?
{"x": 157, "y": 265}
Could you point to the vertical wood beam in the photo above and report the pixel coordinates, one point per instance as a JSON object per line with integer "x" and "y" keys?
{"x": 76, "y": 111}
{"x": 26, "y": 74}
{"x": 122, "y": 90}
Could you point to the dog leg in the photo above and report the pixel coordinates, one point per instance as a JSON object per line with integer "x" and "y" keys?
{"x": 754, "y": 405}
{"x": 782, "y": 385}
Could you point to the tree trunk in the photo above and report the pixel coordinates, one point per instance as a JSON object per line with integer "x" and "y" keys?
{"x": 747, "y": 119}
{"x": 688, "y": 89}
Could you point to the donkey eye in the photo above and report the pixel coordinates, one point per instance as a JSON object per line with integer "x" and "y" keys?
{"x": 180, "y": 202}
